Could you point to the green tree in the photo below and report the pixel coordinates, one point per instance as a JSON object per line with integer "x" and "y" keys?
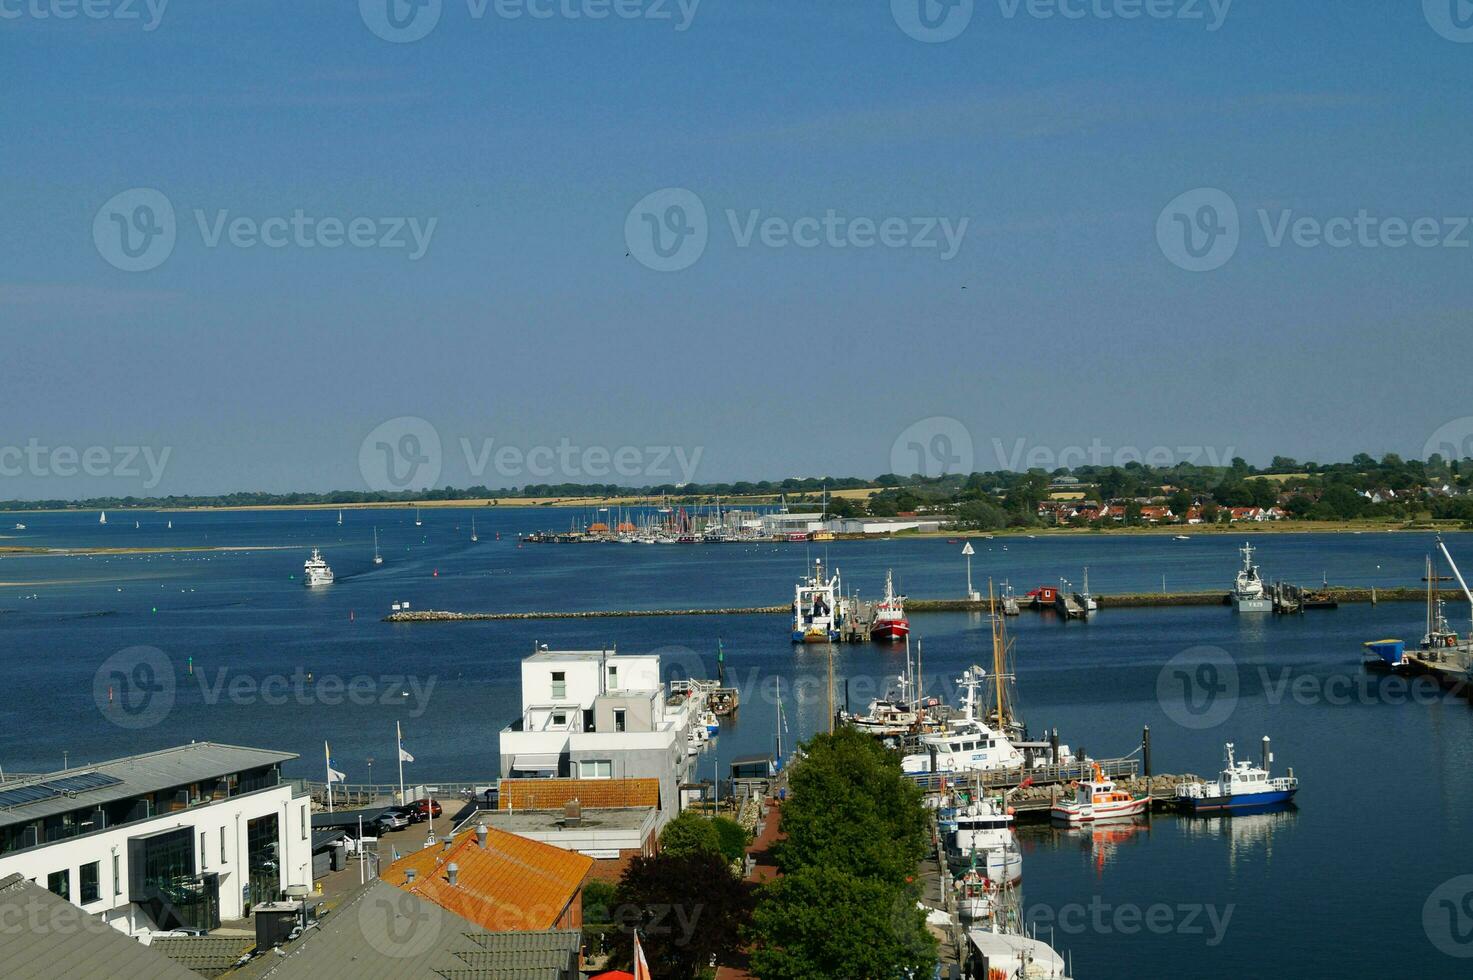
{"x": 826, "y": 922}
{"x": 732, "y": 838}
{"x": 688, "y": 908}
{"x": 851, "y": 808}
{"x": 690, "y": 833}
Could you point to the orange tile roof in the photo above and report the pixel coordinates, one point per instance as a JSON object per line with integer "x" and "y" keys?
{"x": 513, "y": 884}
{"x": 594, "y": 794}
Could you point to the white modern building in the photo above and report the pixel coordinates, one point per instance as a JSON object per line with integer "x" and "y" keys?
{"x": 176, "y": 839}
{"x": 597, "y": 714}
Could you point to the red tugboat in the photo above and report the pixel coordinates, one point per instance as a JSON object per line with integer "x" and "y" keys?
{"x": 890, "y": 624}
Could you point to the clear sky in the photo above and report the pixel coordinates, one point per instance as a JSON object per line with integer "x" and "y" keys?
{"x": 529, "y": 313}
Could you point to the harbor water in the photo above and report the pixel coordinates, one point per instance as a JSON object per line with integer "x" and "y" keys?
{"x": 1344, "y": 886}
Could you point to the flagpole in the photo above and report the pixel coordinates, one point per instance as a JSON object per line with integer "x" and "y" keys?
{"x": 399, "y": 746}
{"x": 327, "y": 760}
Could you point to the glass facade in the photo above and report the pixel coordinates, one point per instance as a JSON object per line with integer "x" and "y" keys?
{"x": 262, "y": 860}
{"x": 162, "y": 880}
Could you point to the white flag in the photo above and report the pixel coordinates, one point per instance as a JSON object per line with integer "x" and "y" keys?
{"x": 333, "y": 775}
{"x": 404, "y": 755}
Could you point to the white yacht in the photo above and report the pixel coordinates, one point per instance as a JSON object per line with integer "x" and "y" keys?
{"x": 984, "y": 835}
{"x": 315, "y": 571}
{"x": 417, "y": 521}
{"x": 20, "y": 527}
{"x": 1248, "y": 591}
{"x": 102, "y": 517}
{"x": 474, "y": 537}
{"x": 340, "y": 518}
{"x": 967, "y": 745}
{"x": 378, "y": 559}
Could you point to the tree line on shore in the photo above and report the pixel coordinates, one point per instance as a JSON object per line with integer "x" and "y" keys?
{"x": 1390, "y": 488}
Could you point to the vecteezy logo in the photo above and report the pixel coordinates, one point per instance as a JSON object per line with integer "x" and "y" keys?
{"x": 1447, "y": 917}
{"x": 1198, "y": 688}
{"x": 667, "y": 231}
{"x": 400, "y": 454}
{"x": 400, "y": 21}
{"x": 932, "y": 21}
{"x": 1199, "y": 231}
{"x": 135, "y": 230}
{"x": 134, "y": 688}
{"x": 1453, "y": 441}
{"x": 400, "y": 925}
{"x": 1453, "y": 19}
{"x": 937, "y": 446}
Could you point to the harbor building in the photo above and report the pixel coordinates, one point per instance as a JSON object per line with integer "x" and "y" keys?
{"x": 176, "y": 839}
{"x": 598, "y": 714}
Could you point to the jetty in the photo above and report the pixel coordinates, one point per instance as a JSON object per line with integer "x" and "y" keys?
{"x": 1319, "y": 599}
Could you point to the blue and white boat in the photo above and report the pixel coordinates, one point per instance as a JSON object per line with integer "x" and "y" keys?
{"x": 1241, "y": 786}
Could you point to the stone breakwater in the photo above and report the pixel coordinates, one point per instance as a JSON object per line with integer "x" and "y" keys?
{"x": 911, "y": 605}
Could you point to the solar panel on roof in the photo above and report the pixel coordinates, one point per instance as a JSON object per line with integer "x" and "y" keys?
{"x": 22, "y": 795}
{"x": 83, "y": 781}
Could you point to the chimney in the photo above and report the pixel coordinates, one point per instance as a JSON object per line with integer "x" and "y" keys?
{"x": 449, "y": 842}
{"x": 572, "y": 813}
{"x": 408, "y": 876}
{"x": 481, "y": 834}
{"x": 452, "y": 873}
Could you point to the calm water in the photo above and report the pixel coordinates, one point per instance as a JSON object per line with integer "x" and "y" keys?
{"x": 1335, "y": 889}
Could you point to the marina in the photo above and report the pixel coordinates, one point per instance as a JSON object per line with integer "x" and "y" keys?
{"x": 1097, "y": 690}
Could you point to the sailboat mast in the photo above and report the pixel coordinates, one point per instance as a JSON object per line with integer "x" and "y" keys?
{"x": 997, "y": 664}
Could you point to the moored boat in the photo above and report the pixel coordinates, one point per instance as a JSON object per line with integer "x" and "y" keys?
{"x": 816, "y": 615}
{"x": 1240, "y": 786}
{"x": 984, "y": 832}
{"x": 1098, "y": 799}
{"x": 1248, "y": 591}
{"x": 890, "y": 623}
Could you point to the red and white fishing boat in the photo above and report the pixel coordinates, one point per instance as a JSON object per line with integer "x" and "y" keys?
{"x": 1097, "y": 799}
{"x": 890, "y": 623}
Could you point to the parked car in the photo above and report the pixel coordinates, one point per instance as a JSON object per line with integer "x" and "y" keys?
{"x": 392, "y": 820}
{"x": 427, "y": 808}
{"x": 409, "y": 812}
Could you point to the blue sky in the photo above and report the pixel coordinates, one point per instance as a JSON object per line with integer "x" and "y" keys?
{"x": 529, "y": 319}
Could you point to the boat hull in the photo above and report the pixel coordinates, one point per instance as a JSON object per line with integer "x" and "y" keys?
{"x": 814, "y": 636}
{"x": 1257, "y": 605}
{"x": 891, "y": 631}
{"x": 1239, "y": 802}
{"x": 1094, "y": 813}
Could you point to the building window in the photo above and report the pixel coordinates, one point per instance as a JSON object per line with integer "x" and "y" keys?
{"x": 222, "y": 845}
{"x": 117, "y": 877}
{"x": 559, "y": 684}
{"x": 60, "y": 883}
{"x": 204, "y": 861}
{"x": 596, "y": 769}
{"x": 619, "y": 720}
{"x": 613, "y": 678}
{"x": 559, "y": 719}
{"x": 88, "y": 883}
{"x": 304, "y": 822}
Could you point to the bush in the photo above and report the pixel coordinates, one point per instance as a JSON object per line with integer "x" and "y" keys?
{"x": 690, "y": 833}
{"x": 733, "y": 838}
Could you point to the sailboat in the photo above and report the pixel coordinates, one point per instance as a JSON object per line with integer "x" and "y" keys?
{"x": 474, "y": 536}
{"x": 102, "y": 517}
{"x": 417, "y": 521}
{"x": 171, "y": 525}
{"x": 378, "y": 559}
{"x": 340, "y": 518}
